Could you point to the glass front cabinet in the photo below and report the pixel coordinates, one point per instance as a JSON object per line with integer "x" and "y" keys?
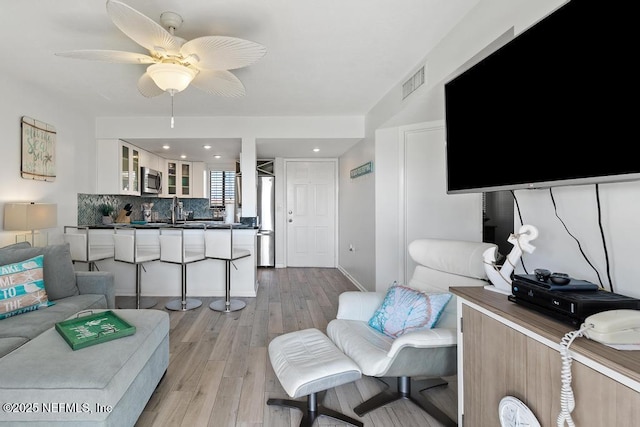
{"x": 118, "y": 168}
{"x": 178, "y": 181}
{"x": 129, "y": 169}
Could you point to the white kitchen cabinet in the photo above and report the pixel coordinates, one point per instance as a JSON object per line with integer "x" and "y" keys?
{"x": 198, "y": 180}
{"x": 151, "y": 160}
{"x": 118, "y": 167}
{"x": 177, "y": 179}
{"x": 183, "y": 179}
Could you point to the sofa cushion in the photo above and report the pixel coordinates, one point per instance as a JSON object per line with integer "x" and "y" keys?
{"x": 405, "y": 309}
{"x": 19, "y": 245}
{"x": 7, "y": 345}
{"x": 22, "y": 287}
{"x": 59, "y": 275}
{"x": 36, "y": 322}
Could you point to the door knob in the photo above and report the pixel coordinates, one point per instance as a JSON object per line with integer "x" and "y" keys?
{"x": 290, "y": 220}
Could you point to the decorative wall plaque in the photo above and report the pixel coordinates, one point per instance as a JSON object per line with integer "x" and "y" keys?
{"x": 38, "y": 150}
{"x": 361, "y": 170}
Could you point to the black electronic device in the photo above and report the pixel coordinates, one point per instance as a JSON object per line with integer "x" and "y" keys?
{"x": 569, "y": 306}
{"x": 560, "y": 282}
{"x": 528, "y": 101}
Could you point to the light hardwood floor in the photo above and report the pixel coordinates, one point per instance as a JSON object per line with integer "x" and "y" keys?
{"x": 219, "y": 370}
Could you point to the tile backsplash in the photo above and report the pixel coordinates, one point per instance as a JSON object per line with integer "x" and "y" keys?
{"x": 88, "y": 213}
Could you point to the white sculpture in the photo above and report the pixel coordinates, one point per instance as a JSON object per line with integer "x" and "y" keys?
{"x": 501, "y": 277}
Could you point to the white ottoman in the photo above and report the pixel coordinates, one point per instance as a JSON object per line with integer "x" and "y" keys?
{"x": 307, "y": 362}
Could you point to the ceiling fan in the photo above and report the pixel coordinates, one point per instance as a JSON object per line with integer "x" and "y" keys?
{"x": 175, "y": 63}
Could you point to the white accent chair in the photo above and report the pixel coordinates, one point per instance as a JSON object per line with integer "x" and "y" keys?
{"x": 429, "y": 354}
{"x": 84, "y": 248}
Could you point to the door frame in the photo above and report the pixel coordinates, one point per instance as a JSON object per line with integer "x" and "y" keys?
{"x": 335, "y": 213}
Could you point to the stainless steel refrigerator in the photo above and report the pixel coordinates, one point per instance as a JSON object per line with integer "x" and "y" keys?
{"x": 266, "y": 211}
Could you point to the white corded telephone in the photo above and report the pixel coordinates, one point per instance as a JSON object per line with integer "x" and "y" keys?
{"x": 614, "y": 327}
{"x": 608, "y": 327}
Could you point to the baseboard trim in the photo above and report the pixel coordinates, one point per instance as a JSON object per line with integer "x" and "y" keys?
{"x": 351, "y": 279}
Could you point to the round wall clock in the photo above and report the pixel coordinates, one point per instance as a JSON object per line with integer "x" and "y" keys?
{"x": 513, "y": 413}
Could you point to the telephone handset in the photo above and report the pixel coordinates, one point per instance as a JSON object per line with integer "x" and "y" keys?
{"x": 613, "y": 327}
{"x": 608, "y": 327}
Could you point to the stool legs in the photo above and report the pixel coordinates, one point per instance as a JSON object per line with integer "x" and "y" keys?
{"x": 312, "y": 410}
{"x": 139, "y": 301}
{"x": 184, "y": 303}
{"x": 228, "y": 305}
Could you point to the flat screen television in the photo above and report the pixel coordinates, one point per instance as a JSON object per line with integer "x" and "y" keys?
{"x": 553, "y": 106}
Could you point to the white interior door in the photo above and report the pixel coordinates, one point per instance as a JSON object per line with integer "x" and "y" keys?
{"x": 311, "y": 213}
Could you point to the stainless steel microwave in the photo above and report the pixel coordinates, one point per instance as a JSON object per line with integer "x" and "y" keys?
{"x": 151, "y": 181}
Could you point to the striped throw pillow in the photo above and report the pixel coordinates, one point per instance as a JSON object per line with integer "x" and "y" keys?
{"x": 22, "y": 287}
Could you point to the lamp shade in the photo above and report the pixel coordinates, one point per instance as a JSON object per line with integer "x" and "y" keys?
{"x": 171, "y": 77}
{"x": 30, "y": 216}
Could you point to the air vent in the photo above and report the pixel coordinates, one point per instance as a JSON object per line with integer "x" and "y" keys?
{"x": 413, "y": 83}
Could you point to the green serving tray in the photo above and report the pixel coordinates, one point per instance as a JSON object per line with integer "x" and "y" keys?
{"x": 86, "y": 330}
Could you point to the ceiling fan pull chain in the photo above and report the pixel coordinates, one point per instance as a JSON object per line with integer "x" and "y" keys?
{"x": 172, "y": 121}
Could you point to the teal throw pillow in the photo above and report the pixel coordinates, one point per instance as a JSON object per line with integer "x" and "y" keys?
{"x": 406, "y": 309}
{"x": 22, "y": 287}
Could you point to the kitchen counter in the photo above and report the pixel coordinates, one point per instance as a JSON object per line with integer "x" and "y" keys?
{"x": 186, "y": 224}
{"x": 205, "y": 278}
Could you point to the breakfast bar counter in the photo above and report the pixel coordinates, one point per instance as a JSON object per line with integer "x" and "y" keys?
{"x": 205, "y": 278}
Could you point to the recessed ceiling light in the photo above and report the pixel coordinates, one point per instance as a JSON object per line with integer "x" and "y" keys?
{"x": 217, "y": 156}
{"x": 206, "y": 147}
{"x": 166, "y": 147}
{"x": 315, "y": 150}
{"x": 183, "y": 156}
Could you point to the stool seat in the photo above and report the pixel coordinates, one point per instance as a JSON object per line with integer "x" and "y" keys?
{"x": 133, "y": 249}
{"x": 174, "y": 249}
{"x": 225, "y": 251}
{"x": 83, "y": 249}
{"x": 307, "y": 362}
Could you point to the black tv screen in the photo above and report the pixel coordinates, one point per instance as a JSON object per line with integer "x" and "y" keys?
{"x": 551, "y": 107}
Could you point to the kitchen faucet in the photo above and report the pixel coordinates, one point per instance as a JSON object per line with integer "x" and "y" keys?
{"x": 174, "y": 210}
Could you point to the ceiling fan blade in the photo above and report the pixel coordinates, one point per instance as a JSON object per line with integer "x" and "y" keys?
{"x": 142, "y": 30}
{"x": 219, "y": 82}
{"x": 109, "y": 56}
{"x": 223, "y": 53}
{"x": 147, "y": 86}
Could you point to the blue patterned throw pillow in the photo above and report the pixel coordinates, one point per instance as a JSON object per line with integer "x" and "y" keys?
{"x": 406, "y": 309}
{"x": 22, "y": 287}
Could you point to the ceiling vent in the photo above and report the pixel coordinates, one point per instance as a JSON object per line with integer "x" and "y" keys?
{"x": 413, "y": 83}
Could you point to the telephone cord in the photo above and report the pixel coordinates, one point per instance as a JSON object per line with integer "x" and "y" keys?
{"x": 567, "y": 401}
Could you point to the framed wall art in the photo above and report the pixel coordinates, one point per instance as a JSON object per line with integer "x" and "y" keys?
{"x": 38, "y": 150}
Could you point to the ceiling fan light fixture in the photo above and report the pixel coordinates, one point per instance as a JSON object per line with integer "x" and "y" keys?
{"x": 171, "y": 78}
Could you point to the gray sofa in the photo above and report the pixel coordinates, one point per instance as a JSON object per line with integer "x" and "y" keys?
{"x": 43, "y": 381}
{"x": 70, "y": 291}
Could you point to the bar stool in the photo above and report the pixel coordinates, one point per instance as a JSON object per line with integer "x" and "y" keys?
{"x": 224, "y": 250}
{"x": 134, "y": 248}
{"x": 173, "y": 249}
{"x": 84, "y": 248}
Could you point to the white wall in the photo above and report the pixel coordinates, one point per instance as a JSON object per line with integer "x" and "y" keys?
{"x": 357, "y": 217}
{"x": 577, "y": 206}
{"x": 75, "y": 144}
{"x": 555, "y": 249}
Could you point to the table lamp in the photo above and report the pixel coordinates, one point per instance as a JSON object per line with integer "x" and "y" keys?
{"x": 30, "y": 217}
